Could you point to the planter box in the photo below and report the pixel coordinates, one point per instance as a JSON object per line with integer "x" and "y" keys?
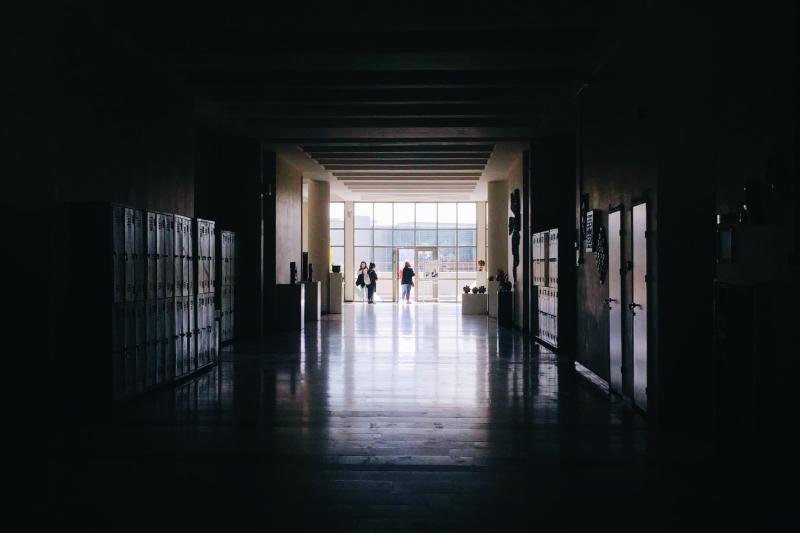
{"x": 505, "y": 308}
{"x": 491, "y": 289}
{"x": 473, "y": 304}
{"x": 313, "y": 301}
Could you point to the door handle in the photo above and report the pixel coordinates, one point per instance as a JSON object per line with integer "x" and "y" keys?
{"x": 608, "y": 302}
{"x": 632, "y": 306}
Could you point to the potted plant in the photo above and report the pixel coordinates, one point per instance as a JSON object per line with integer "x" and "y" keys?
{"x": 505, "y": 300}
{"x": 482, "y": 289}
{"x": 466, "y": 289}
{"x": 474, "y": 290}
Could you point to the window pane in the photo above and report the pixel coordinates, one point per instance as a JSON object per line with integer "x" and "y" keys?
{"x": 382, "y": 215}
{"x": 337, "y": 237}
{"x": 362, "y": 253}
{"x": 426, "y": 215}
{"x": 363, "y": 215}
{"x": 383, "y": 260}
{"x": 448, "y": 290}
{"x": 337, "y": 215}
{"x": 466, "y": 237}
{"x": 363, "y": 237}
{"x": 403, "y": 216}
{"x": 383, "y": 237}
{"x": 447, "y": 216}
{"x": 466, "y": 215}
{"x": 337, "y": 256}
{"x": 447, "y": 237}
{"x": 466, "y": 260}
{"x": 447, "y": 259}
{"x": 426, "y": 237}
{"x": 404, "y": 237}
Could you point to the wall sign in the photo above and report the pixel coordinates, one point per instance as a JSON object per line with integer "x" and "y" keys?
{"x": 590, "y": 231}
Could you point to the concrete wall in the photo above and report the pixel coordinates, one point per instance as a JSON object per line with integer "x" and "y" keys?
{"x": 319, "y": 198}
{"x": 288, "y": 219}
{"x": 498, "y": 227}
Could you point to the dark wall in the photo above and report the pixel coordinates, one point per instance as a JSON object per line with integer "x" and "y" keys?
{"x": 552, "y": 194}
{"x": 664, "y": 122}
{"x": 228, "y": 189}
{"x": 85, "y": 119}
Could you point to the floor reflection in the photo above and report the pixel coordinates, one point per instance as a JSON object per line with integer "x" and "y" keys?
{"x": 385, "y": 417}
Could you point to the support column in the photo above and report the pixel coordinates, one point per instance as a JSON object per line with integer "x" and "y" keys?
{"x": 319, "y": 234}
{"x": 349, "y": 254}
{"x": 498, "y": 227}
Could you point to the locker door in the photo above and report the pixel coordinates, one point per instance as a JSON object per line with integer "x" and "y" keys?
{"x": 148, "y": 374}
{"x": 161, "y": 340}
{"x": 139, "y": 366}
{"x": 169, "y": 339}
{"x": 151, "y": 246}
{"x": 169, "y": 254}
{"x": 211, "y": 328}
{"x": 180, "y": 337}
{"x": 212, "y": 257}
{"x": 161, "y": 252}
{"x": 139, "y": 254}
{"x": 130, "y": 250}
{"x": 130, "y": 349}
{"x": 117, "y": 350}
{"x": 614, "y": 299}
{"x": 191, "y": 348}
{"x": 118, "y": 252}
{"x": 191, "y": 288}
{"x": 177, "y": 255}
{"x": 201, "y": 330}
{"x": 638, "y": 304}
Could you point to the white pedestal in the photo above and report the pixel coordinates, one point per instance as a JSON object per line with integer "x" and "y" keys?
{"x": 491, "y": 289}
{"x": 335, "y": 293}
{"x": 313, "y": 300}
{"x": 288, "y": 312}
{"x": 473, "y": 304}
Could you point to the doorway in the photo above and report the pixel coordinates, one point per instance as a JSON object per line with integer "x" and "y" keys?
{"x": 424, "y": 261}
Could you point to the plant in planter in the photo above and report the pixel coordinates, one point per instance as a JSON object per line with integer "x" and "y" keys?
{"x": 481, "y": 289}
{"x": 491, "y": 278}
{"x": 466, "y": 289}
{"x": 474, "y": 290}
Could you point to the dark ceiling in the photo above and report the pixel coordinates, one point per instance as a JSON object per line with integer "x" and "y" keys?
{"x": 301, "y": 72}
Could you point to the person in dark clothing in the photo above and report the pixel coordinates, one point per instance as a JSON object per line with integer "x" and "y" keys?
{"x": 406, "y": 282}
{"x": 372, "y": 286}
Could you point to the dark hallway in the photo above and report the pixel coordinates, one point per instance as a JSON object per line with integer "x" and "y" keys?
{"x": 401, "y": 267}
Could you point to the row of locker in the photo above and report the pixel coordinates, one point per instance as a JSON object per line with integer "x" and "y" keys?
{"x": 544, "y": 258}
{"x": 158, "y": 341}
{"x": 548, "y": 328}
{"x": 548, "y": 314}
{"x": 153, "y": 255}
{"x": 227, "y": 289}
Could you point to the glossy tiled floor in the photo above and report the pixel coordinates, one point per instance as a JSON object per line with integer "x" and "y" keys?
{"x": 386, "y": 418}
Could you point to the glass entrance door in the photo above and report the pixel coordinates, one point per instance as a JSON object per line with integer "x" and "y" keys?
{"x": 401, "y": 256}
{"x": 427, "y": 278}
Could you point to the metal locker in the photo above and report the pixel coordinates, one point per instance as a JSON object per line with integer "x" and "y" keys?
{"x": 179, "y": 338}
{"x": 213, "y": 341}
{"x": 118, "y": 349}
{"x": 169, "y": 255}
{"x": 161, "y": 334}
{"x": 151, "y": 254}
{"x": 169, "y": 339}
{"x": 212, "y": 257}
{"x": 187, "y": 254}
{"x": 118, "y": 252}
{"x": 231, "y": 324}
{"x": 190, "y": 271}
{"x": 140, "y": 364}
{"x": 161, "y": 247}
{"x": 211, "y": 328}
{"x": 191, "y": 344}
{"x": 177, "y": 254}
{"x": 200, "y": 329}
{"x": 233, "y": 257}
{"x": 130, "y": 278}
{"x": 151, "y": 354}
{"x": 139, "y": 255}
{"x": 130, "y": 349}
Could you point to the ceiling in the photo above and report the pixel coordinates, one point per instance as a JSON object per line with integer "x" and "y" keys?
{"x": 419, "y": 98}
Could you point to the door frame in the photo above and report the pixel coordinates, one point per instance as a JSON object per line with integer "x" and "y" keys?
{"x": 435, "y": 285}
{"x": 617, "y": 385}
{"x": 640, "y": 398}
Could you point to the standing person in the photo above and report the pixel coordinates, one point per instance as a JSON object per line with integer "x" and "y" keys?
{"x": 362, "y": 280}
{"x": 371, "y": 280}
{"x": 407, "y": 281}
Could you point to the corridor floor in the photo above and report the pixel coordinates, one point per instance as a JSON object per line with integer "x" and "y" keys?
{"x": 386, "y": 418}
